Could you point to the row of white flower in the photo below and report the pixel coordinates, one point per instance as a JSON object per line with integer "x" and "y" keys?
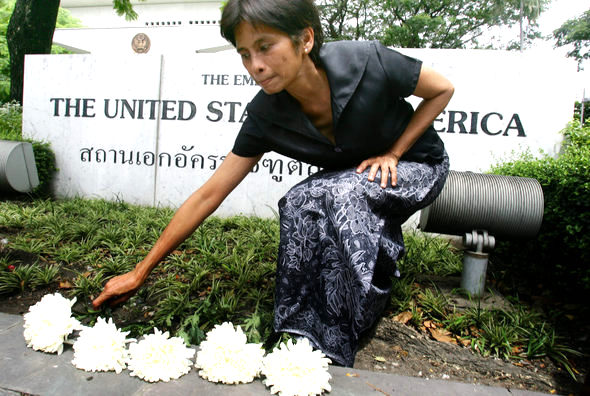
{"x": 225, "y": 355}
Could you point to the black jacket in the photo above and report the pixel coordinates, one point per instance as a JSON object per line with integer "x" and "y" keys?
{"x": 368, "y": 84}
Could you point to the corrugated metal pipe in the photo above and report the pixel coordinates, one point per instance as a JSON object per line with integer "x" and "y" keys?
{"x": 18, "y": 171}
{"x": 477, "y": 205}
{"x": 505, "y": 206}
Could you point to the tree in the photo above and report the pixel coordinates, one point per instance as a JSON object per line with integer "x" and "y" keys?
{"x": 349, "y": 19}
{"x": 124, "y": 8}
{"x": 577, "y": 32}
{"x": 30, "y": 31}
{"x": 64, "y": 19}
{"x": 5, "y": 12}
{"x": 423, "y": 23}
{"x": 528, "y": 9}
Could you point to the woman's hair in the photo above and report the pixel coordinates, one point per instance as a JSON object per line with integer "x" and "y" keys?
{"x": 288, "y": 16}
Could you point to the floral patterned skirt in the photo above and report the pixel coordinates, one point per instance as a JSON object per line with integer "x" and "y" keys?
{"x": 340, "y": 240}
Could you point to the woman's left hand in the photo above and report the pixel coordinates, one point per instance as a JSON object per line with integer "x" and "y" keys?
{"x": 388, "y": 165}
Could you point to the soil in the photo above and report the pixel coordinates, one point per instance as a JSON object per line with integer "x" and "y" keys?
{"x": 389, "y": 347}
{"x": 396, "y": 348}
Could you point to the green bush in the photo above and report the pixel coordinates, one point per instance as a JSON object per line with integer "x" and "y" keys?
{"x": 45, "y": 160}
{"x": 560, "y": 254}
{"x": 11, "y": 129}
{"x": 11, "y": 115}
{"x": 578, "y": 109}
{"x": 5, "y": 13}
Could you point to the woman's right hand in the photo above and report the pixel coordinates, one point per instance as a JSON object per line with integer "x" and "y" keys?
{"x": 119, "y": 289}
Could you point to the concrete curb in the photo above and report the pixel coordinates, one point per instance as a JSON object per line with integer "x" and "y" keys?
{"x": 23, "y": 370}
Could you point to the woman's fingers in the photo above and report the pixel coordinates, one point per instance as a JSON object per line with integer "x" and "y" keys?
{"x": 102, "y": 297}
{"x": 386, "y": 164}
{"x": 363, "y": 165}
{"x": 373, "y": 172}
{"x": 121, "y": 299}
{"x": 393, "y": 175}
{"x": 118, "y": 289}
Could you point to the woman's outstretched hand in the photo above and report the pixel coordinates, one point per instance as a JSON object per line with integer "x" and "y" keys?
{"x": 118, "y": 289}
{"x": 388, "y": 165}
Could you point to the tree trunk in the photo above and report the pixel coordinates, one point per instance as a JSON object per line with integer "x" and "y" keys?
{"x": 30, "y": 31}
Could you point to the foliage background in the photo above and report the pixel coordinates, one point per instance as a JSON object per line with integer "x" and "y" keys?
{"x": 64, "y": 20}
{"x": 560, "y": 255}
{"x": 578, "y": 109}
{"x": 576, "y": 32}
{"x": 427, "y": 23}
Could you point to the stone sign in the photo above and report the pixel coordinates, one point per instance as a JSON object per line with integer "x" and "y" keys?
{"x": 150, "y": 129}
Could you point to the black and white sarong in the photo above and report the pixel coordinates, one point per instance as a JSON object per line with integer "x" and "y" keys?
{"x": 340, "y": 240}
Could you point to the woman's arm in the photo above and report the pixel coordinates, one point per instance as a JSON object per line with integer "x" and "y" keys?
{"x": 436, "y": 92}
{"x": 185, "y": 221}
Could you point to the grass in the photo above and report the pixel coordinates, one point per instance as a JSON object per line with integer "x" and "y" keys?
{"x": 514, "y": 333}
{"x": 225, "y": 272}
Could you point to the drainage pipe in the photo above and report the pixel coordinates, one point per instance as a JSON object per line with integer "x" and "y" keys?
{"x": 505, "y": 206}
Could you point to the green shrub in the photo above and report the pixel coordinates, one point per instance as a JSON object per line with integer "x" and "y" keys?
{"x": 5, "y": 13}
{"x": 11, "y": 115}
{"x": 578, "y": 108}
{"x": 45, "y": 161}
{"x": 11, "y": 129}
{"x": 560, "y": 254}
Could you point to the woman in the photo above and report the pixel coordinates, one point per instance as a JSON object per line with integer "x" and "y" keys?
{"x": 339, "y": 106}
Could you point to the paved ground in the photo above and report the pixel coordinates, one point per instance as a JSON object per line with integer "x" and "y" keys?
{"x": 23, "y": 370}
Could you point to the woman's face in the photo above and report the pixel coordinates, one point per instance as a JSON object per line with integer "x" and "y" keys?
{"x": 269, "y": 55}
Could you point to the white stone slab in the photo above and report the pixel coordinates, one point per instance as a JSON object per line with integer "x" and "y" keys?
{"x": 505, "y": 101}
{"x": 65, "y": 103}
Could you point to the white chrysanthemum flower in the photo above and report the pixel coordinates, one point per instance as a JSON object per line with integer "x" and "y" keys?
{"x": 225, "y": 356}
{"x": 49, "y": 322}
{"x": 159, "y": 357}
{"x": 296, "y": 370}
{"x": 101, "y": 348}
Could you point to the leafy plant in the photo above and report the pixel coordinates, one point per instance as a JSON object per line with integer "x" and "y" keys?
{"x": 434, "y": 303}
{"x": 30, "y": 245}
{"x": 46, "y": 168}
{"x": 459, "y": 323}
{"x": 402, "y": 293}
{"x": 542, "y": 341}
{"x": 497, "y": 338}
{"x": 560, "y": 254}
{"x": 11, "y": 121}
{"x": 9, "y": 282}
{"x": 86, "y": 285}
{"x": 25, "y": 275}
{"x": 428, "y": 254}
{"x": 68, "y": 254}
{"x": 190, "y": 331}
{"x": 115, "y": 266}
{"x": 417, "y": 316}
{"x": 578, "y": 111}
{"x": 44, "y": 275}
